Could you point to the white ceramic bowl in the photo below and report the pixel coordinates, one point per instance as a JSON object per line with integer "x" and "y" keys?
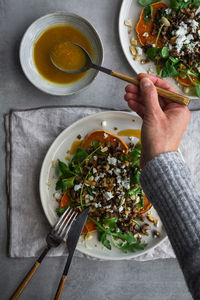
{"x": 32, "y": 34}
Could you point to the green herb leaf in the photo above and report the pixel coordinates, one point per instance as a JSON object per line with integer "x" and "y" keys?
{"x": 80, "y": 155}
{"x": 146, "y": 2}
{"x": 178, "y": 4}
{"x": 152, "y": 52}
{"x": 60, "y": 210}
{"x": 148, "y": 13}
{"x": 135, "y": 178}
{"x": 164, "y": 53}
{"x": 95, "y": 144}
{"x": 64, "y": 170}
{"x": 136, "y": 190}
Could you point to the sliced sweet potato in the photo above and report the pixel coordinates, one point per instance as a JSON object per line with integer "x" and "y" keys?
{"x": 89, "y": 226}
{"x": 65, "y": 200}
{"x": 186, "y": 81}
{"x": 103, "y": 136}
{"x": 147, "y": 206}
{"x": 142, "y": 27}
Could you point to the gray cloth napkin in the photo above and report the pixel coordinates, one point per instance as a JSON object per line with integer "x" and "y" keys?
{"x": 29, "y": 134}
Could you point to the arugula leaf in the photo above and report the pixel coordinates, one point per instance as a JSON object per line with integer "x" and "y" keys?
{"x": 196, "y": 3}
{"x": 152, "y": 52}
{"x": 178, "y": 4}
{"x": 148, "y": 13}
{"x": 164, "y": 53}
{"x": 133, "y": 247}
{"x": 169, "y": 69}
{"x": 111, "y": 222}
{"x": 136, "y": 190}
{"x": 64, "y": 170}
{"x": 63, "y": 184}
{"x": 128, "y": 237}
{"x": 135, "y": 178}
{"x": 129, "y": 242}
{"x": 61, "y": 210}
{"x": 146, "y": 2}
{"x": 95, "y": 144}
{"x": 80, "y": 155}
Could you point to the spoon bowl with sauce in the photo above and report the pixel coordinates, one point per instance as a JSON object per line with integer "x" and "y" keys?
{"x": 71, "y": 58}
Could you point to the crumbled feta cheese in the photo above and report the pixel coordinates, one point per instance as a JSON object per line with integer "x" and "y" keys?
{"x": 126, "y": 184}
{"x": 94, "y": 170}
{"x": 120, "y": 209}
{"x": 58, "y": 196}
{"x": 112, "y": 160}
{"x": 95, "y": 157}
{"x": 194, "y": 25}
{"x": 107, "y": 206}
{"x": 183, "y": 38}
{"x": 110, "y": 172}
{"x": 105, "y": 135}
{"x": 145, "y": 34}
{"x": 108, "y": 195}
{"x": 153, "y": 45}
{"x": 192, "y": 46}
{"x": 199, "y": 33}
{"x": 101, "y": 175}
{"x": 96, "y": 178}
{"x": 96, "y": 204}
{"x": 168, "y": 11}
{"x": 77, "y": 187}
{"x": 117, "y": 171}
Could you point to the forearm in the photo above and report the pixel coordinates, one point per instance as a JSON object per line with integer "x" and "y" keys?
{"x": 166, "y": 181}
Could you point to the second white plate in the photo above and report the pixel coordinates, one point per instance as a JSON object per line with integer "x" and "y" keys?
{"x": 130, "y": 9}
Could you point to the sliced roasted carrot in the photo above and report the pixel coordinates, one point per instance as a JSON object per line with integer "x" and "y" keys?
{"x": 147, "y": 206}
{"x": 186, "y": 81}
{"x": 143, "y": 27}
{"x": 65, "y": 200}
{"x": 89, "y": 227}
{"x": 103, "y": 136}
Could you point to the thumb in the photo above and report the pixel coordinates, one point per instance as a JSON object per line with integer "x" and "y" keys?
{"x": 149, "y": 96}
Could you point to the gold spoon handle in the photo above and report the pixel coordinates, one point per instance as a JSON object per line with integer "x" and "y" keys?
{"x": 161, "y": 92}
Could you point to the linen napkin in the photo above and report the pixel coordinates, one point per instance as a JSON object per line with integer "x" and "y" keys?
{"x": 29, "y": 133}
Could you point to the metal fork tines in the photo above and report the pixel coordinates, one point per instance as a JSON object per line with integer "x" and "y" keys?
{"x": 61, "y": 228}
{"x": 54, "y": 238}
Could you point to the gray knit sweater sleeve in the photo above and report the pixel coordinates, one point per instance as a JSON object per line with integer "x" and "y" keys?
{"x": 167, "y": 183}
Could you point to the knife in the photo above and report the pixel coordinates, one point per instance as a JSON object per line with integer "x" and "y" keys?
{"x": 72, "y": 240}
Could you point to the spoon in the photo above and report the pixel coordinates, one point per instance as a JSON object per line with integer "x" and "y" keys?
{"x": 81, "y": 62}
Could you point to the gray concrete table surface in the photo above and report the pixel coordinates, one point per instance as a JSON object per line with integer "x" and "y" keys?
{"x": 87, "y": 280}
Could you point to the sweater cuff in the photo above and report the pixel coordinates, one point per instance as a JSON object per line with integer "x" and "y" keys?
{"x": 166, "y": 181}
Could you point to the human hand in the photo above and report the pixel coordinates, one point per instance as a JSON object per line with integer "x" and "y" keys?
{"x": 164, "y": 121}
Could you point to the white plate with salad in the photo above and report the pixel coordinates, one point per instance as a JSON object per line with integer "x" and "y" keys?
{"x": 95, "y": 162}
{"x": 166, "y": 43}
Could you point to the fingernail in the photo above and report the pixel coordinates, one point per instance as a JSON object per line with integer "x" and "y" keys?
{"x": 145, "y": 82}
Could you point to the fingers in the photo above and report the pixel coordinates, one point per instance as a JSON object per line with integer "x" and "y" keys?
{"x": 149, "y": 96}
{"x": 157, "y": 81}
{"x": 132, "y": 89}
{"x": 137, "y": 107}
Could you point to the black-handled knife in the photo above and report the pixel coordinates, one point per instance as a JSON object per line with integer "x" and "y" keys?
{"x": 72, "y": 240}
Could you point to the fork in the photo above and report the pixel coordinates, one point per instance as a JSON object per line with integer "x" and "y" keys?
{"x": 57, "y": 234}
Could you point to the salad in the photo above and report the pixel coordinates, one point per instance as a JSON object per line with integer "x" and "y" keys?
{"x": 104, "y": 175}
{"x": 170, "y": 37}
